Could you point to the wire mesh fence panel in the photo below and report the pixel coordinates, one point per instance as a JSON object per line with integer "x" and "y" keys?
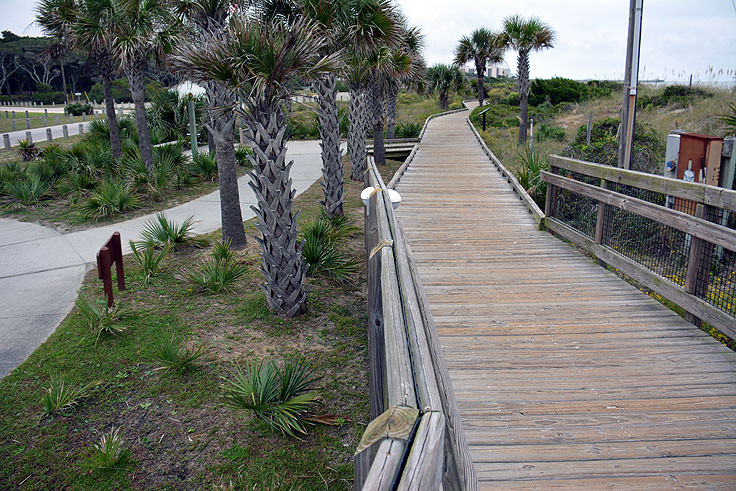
{"x": 716, "y": 280}
{"x": 659, "y": 248}
{"x": 574, "y": 210}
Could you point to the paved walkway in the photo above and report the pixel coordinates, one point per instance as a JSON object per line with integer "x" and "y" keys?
{"x": 566, "y": 376}
{"x": 39, "y": 134}
{"x": 41, "y": 269}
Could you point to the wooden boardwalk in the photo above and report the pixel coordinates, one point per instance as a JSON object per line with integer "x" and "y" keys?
{"x": 566, "y": 376}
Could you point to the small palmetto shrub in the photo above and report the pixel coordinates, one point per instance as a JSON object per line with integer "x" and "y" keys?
{"x": 172, "y": 354}
{"x": 113, "y": 196}
{"x": 729, "y": 119}
{"x": 222, "y": 251}
{"x": 408, "y": 130}
{"x": 26, "y": 191}
{"x": 242, "y": 154}
{"x": 100, "y": 320}
{"x": 150, "y": 260}
{"x": 216, "y": 276}
{"x": 28, "y": 151}
{"x": 160, "y": 231}
{"x": 204, "y": 165}
{"x": 75, "y": 183}
{"x": 61, "y": 395}
{"x": 278, "y": 396}
{"x": 109, "y": 452}
{"x": 529, "y": 175}
{"x": 320, "y": 240}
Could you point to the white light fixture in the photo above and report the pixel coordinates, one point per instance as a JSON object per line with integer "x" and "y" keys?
{"x": 365, "y": 195}
{"x": 395, "y": 198}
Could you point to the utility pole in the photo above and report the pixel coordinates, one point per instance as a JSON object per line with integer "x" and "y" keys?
{"x": 631, "y": 81}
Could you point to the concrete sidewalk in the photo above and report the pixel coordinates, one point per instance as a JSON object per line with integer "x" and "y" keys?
{"x": 41, "y": 269}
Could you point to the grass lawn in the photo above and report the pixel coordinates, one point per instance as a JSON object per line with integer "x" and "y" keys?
{"x": 6, "y": 124}
{"x": 179, "y": 432}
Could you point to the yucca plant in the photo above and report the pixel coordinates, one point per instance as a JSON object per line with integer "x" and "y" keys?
{"x": 99, "y": 320}
{"x": 75, "y": 183}
{"x": 26, "y": 192}
{"x": 160, "y": 231}
{"x": 278, "y": 396}
{"x": 216, "y": 276}
{"x": 320, "y": 248}
{"x": 150, "y": 260}
{"x": 113, "y": 196}
{"x": 109, "y": 451}
{"x": 61, "y": 395}
{"x": 529, "y": 175}
{"x": 204, "y": 165}
{"x": 172, "y": 354}
{"x": 27, "y": 150}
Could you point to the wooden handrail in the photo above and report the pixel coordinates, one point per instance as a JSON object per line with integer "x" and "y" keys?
{"x": 415, "y": 440}
{"x": 700, "y": 193}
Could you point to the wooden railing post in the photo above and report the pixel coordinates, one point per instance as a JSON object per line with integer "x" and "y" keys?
{"x": 599, "y": 224}
{"x": 698, "y": 261}
{"x": 550, "y": 201}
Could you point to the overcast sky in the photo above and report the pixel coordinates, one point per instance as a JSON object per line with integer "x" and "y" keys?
{"x": 679, "y": 37}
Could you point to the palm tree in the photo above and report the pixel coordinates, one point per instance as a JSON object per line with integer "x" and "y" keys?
{"x": 207, "y": 20}
{"x": 443, "y": 78}
{"x": 259, "y": 58}
{"x": 331, "y": 18}
{"x": 408, "y": 75}
{"x": 525, "y": 35}
{"x": 481, "y": 47}
{"x": 373, "y": 23}
{"x": 141, "y": 30}
{"x": 82, "y": 24}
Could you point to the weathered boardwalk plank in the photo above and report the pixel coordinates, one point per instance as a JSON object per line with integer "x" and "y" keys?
{"x": 566, "y": 376}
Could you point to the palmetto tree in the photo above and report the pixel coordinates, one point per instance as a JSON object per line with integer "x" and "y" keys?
{"x": 207, "y": 21}
{"x": 141, "y": 30}
{"x": 443, "y": 78}
{"x": 410, "y": 71}
{"x": 481, "y": 47}
{"x": 259, "y": 58}
{"x": 525, "y": 35}
{"x": 373, "y": 23}
{"x": 82, "y": 24}
{"x": 331, "y": 18}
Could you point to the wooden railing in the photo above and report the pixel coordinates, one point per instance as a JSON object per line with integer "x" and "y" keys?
{"x": 675, "y": 238}
{"x": 415, "y": 439}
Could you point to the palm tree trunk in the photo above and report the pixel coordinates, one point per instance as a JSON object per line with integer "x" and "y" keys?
{"x": 443, "y": 100}
{"x": 391, "y": 112}
{"x": 329, "y": 133}
{"x": 223, "y": 131}
{"x": 112, "y": 119}
{"x": 376, "y": 101}
{"x": 63, "y": 81}
{"x": 480, "y": 71}
{"x": 357, "y": 132}
{"x": 523, "y": 73}
{"x": 136, "y": 73}
{"x": 282, "y": 263}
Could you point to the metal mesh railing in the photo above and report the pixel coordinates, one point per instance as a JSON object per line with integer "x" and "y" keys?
{"x": 660, "y": 248}
{"x": 574, "y": 210}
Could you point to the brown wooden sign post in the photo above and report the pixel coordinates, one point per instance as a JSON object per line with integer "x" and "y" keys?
{"x": 111, "y": 252}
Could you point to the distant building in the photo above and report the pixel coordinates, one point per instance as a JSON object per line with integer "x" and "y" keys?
{"x": 494, "y": 71}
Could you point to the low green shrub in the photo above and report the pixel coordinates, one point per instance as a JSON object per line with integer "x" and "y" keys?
{"x": 529, "y": 175}
{"x": 217, "y": 275}
{"x": 27, "y": 150}
{"x": 172, "y": 354}
{"x": 26, "y": 191}
{"x": 408, "y": 130}
{"x": 100, "y": 320}
{"x": 159, "y": 232}
{"x": 321, "y": 241}
{"x": 108, "y": 452}
{"x": 61, "y": 395}
{"x": 278, "y": 396}
{"x": 547, "y": 132}
{"x": 77, "y": 109}
{"x": 204, "y": 165}
{"x": 150, "y": 259}
{"x": 112, "y": 196}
